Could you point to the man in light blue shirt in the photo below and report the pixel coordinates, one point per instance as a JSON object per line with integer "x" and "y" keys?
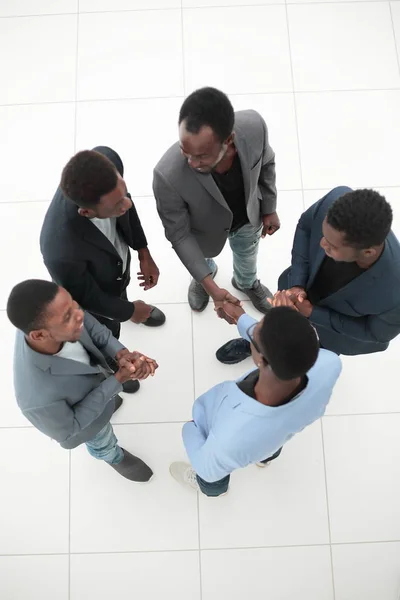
{"x": 239, "y": 423}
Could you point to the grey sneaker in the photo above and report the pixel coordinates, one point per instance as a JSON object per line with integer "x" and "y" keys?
{"x": 258, "y": 295}
{"x": 197, "y": 296}
{"x": 133, "y": 468}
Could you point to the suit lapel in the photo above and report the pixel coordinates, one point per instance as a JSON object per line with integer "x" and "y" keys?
{"x": 365, "y": 280}
{"x": 241, "y": 147}
{"x": 64, "y": 366}
{"x": 209, "y": 184}
{"x": 316, "y": 266}
{"x": 94, "y": 236}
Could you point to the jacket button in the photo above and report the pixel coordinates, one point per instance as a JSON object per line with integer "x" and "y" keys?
{"x": 227, "y": 230}
{"x": 119, "y": 264}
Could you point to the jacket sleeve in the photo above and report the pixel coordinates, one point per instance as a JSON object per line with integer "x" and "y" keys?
{"x": 102, "y": 337}
{"x": 299, "y": 273}
{"x": 369, "y": 329}
{"x": 176, "y": 220}
{"x": 205, "y": 456}
{"x": 74, "y": 276}
{"x": 267, "y": 179}
{"x": 139, "y": 240}
{"x": 74, "y": 425}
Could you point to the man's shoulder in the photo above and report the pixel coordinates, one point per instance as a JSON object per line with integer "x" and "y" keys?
{"x": 61, "y": 223}
{"x": 326, "y": 369}
{"x": 171, "y": 161}
{"x": 248, "y": 117}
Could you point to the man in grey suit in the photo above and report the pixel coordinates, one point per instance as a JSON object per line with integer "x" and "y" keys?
{"x": 63, "y": 384}
{"x": 218, "y": 183}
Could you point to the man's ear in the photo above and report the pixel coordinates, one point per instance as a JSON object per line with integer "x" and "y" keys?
{"x": 86, "y": 212}
{"x": 39, "y": 335}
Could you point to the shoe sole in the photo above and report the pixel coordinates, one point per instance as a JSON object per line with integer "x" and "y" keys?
{"x": 232, "y": 362}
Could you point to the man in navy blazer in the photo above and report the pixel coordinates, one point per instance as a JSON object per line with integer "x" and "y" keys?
{"x": 345, "y": 275}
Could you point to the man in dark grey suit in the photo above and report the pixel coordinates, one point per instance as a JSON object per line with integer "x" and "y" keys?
{"x": 63, "y": 384}
{"x": 218, "y": 183}
{"x": 344, "y": 277}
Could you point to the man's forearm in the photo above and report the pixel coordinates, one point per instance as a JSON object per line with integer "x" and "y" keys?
{"x": 210, "y": 286}
{"x": 143, "y": 253}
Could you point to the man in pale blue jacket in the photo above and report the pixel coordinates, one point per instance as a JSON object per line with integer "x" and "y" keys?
{"x": 239, "y": 423}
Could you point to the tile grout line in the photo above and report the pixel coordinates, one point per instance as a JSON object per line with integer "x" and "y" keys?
{"x": 198, "y": 495}
{"x": 176, "y": 96}
{"x": 183, "y": 52}
{"x": 70, "y": 457}
{"x": 140, "y": 196}
{"x": 69, "y": 523}
{"x": 182, "y": 422}
{"x": 188, "y": 8}
{"x": 220, "y": 549}
{"x": 327, "y": 510}
{"x": 294, "y": 104}
{"x": 396, "y": 45}
{"x": 76, "y": 77}
{"x": 192, "y": 332}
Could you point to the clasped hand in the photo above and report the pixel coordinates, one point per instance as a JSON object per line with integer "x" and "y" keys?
{"x": 134, "y": 365}
{"x": 295, "y": 298}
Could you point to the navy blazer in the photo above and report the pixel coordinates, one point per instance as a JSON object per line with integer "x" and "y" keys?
{"x": 81, "y": 259}
{"x": 363, "y": 316}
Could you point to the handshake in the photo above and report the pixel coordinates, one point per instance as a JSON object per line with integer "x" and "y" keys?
{"x": 230, "y": 308}
{"x": 134, "y": 365}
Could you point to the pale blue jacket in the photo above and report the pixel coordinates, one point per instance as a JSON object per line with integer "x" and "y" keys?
{"x": 230, "y": 430}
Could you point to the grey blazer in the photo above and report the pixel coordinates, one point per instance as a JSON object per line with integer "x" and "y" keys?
{"x": 195, "y": 216}
{"x": 66, "y": 399}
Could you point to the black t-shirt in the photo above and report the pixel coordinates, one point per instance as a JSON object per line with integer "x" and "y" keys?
{"x": 231, "y": 187}
{"x": 248, "y": 384}
{"x": 331, "y": 277}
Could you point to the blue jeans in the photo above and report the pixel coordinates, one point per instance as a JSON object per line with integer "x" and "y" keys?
{"x": 104, "y": 446}
{"x": 244, "y": 245}
{"x": 216, "y": 488}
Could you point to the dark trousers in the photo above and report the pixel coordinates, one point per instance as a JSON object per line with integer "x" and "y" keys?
{"x": 114, "y": 326}
{"x": 216, "y": 488}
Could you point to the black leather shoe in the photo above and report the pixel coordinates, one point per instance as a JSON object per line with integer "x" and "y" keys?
{"x": 117, "y": 403}
{"x": 156, "y": 318}
{"x": 130, "y": 387}
{"x": 233, "y": 352}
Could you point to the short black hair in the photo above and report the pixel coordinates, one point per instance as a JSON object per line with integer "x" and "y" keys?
{"x": 87, "y": 176}
{"x": 364, "y": 216}
{"x": 28, "y": 303}
{"x": 208, "y": 107}
{"x": 289, "y": 342}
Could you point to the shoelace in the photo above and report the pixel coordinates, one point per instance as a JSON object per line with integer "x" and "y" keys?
{"x": 190, "y": 477}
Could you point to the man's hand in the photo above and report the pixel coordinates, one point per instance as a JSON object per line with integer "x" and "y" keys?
{"x": 143, "y": 365}
{"x": 282, "y": 298}
{"x": 304, "y": 306}
{"x": 142, "y": 311}
{"x": 271, "y": 223}
{"x": 221, "y": 297}
{"x": 233, "y": 311}
{"x": 126, "y": 371}
{"x": 149, "y": 273}
{"x": 297, "y": 292}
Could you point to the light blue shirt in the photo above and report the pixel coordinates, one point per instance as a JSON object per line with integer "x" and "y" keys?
{"x": 230, "y": 430}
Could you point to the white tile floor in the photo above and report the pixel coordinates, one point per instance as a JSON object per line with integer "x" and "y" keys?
{"x": 323, "y": 523}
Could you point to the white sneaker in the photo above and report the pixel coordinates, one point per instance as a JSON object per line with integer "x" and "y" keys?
{"x": 262, "y": 465}
{"x": 184, "y": 474}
